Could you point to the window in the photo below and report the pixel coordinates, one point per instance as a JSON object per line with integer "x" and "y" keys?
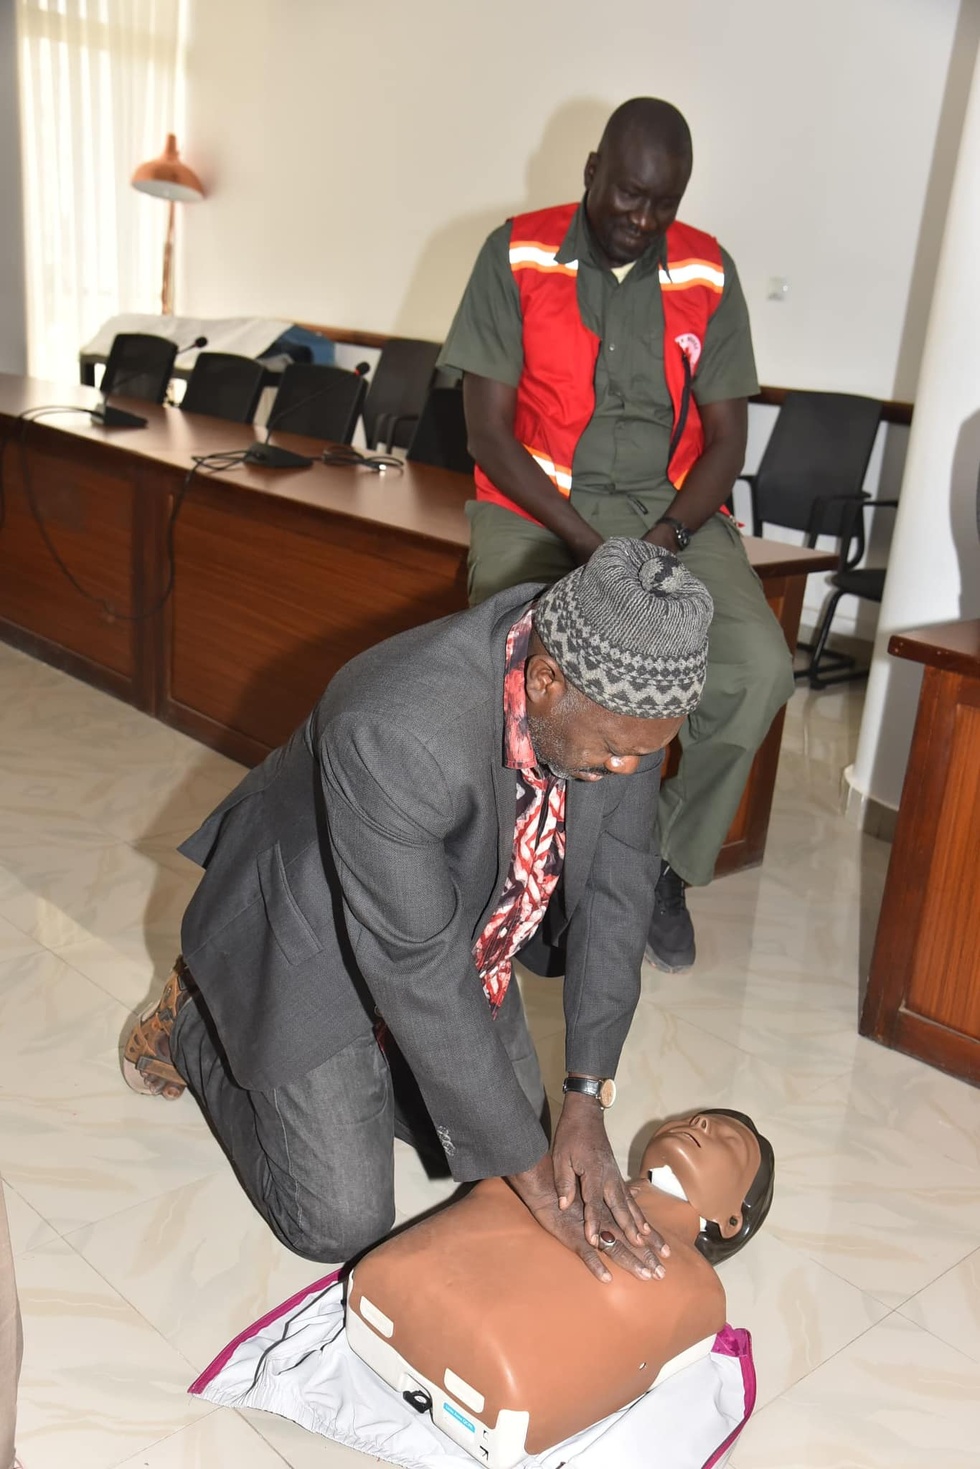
{"x": 100, "y": 90}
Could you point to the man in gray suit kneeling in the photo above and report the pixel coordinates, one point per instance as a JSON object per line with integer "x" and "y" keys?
{"x": 368, "y": 886}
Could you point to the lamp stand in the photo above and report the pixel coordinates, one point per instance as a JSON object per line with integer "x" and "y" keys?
{"x": 167, "y": 293}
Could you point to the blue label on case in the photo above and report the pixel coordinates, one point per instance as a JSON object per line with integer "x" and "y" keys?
{"x": 455, "y": 1413}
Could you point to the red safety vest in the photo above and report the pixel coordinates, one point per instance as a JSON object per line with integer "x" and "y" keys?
{"x": 556, "y": 393}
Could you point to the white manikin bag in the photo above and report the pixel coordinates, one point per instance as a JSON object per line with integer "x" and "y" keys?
{"x": 296, "y": 1362}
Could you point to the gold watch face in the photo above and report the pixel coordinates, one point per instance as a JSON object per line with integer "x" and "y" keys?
{"x": 607, "y": 1092}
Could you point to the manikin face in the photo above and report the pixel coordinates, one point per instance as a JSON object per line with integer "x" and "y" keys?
{"x": 715, "y": 1159}
{"x": 633, "y": 191}
{"x": 579, "y": 740}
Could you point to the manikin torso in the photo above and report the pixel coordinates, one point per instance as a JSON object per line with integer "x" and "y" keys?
{"x": 482, "y": 1291}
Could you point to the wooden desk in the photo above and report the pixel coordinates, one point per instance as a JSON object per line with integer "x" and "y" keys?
{"x": 924, "y": 991}
{"x": 279, "y": 577}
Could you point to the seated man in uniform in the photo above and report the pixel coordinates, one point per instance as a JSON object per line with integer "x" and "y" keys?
{"x": 607, "y": 363}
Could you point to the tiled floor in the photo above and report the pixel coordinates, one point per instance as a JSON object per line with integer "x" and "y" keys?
{"x": 138, "y": 1256}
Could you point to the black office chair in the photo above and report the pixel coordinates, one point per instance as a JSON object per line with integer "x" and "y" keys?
{"x": 397, "y": 392}
{"x": 440, "y": 436}
{"x": 849, "y": 580}
{"x": 224, "y": 385}
{"x": 139, "y": 366}
{"x": 810, "y": 479}
{"x": 318, "y": 401}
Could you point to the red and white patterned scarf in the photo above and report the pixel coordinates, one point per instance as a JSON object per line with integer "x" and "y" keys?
{"x": 539, "y": 834}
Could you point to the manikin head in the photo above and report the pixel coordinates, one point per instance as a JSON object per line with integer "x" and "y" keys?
{"x": 635, "y": 180}
{"x": 616, "y": 661}
{"x": 724, "y": 1168}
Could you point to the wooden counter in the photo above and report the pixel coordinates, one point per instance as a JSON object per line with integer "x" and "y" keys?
{"x": 279, "y": 577}
{"x": 924, "y": 990}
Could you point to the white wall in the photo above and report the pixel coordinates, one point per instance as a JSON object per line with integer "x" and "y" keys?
{"x": 13, "y": 326}
{"x": 934, "y": 566}
{"x": 356, "y": 155}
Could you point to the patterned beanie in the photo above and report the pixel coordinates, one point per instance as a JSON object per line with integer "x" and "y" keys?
{"x": 630, "y": 630}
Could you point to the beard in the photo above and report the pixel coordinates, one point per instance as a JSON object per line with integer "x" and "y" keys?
{"x": 546, "y": 738}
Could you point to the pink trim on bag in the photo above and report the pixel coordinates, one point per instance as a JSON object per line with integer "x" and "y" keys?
{"x": 734, "y": 1341}
{"x": 225, "y": 1355}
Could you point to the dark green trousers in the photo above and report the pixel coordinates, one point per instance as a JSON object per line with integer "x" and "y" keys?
{"x": 750, "y": 671}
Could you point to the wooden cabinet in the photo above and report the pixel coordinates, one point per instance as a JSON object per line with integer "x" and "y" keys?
{"x": 924, "y": 991}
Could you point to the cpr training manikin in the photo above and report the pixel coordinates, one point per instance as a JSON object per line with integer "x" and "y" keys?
{"x": 480, "y": 1317}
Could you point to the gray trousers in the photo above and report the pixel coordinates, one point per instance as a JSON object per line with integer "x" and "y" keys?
{"x": 750, "y": 669}
{"x": 316, "y": 1157}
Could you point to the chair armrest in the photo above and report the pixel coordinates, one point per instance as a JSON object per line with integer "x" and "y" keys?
{"x": 393, "y": 423}
{"x": 750, "y": 479}
{"x": 849, "y": 562}
{"x": 825, "y": 502}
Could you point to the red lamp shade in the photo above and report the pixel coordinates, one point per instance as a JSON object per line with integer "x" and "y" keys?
{"x": 167, "y": 178}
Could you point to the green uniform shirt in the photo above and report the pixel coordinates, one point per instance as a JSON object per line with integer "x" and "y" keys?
{"x": 626, "y": 442}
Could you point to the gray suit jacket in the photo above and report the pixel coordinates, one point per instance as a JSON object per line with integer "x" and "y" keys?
{"x": 355, "y": 866}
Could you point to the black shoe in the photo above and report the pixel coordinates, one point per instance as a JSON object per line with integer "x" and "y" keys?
{"x": 670, "y": 941}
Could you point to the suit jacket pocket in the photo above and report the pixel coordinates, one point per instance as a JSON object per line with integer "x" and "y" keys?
{"x": 293, "y": 932}
{"x": 621, "y": 848}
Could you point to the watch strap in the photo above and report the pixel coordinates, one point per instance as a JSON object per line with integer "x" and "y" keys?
{"x": 682, "y": 535}
{"x": 603, "y": 1088}
{"x": 588, "y": 1086}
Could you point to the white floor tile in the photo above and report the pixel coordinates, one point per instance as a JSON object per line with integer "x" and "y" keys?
{"x": 950, "y": 1307}
{"x": 894, "y": 1399}
{"x": 27, "y": 1229}
{"x": 197, "y": 1262}
{"x": 75, "y": 1143}
{"x": 865, "y": 1200}
{"x": 222, "y": 1440}
{"x": 799, "y": 1313}
{"x": 98, "y": 1383}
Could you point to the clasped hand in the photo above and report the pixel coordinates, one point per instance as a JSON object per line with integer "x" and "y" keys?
{"x": 577, "y": 1192}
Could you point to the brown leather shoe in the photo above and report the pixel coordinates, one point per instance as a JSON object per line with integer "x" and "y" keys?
{"x": 147, "y": 1063}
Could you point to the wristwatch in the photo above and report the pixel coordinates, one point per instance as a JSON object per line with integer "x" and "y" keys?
{"x": 682, "y": 535}
{"x": 603, "y": 1088}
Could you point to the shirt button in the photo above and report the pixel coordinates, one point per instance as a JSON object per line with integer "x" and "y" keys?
{"x": 612, "y": 346}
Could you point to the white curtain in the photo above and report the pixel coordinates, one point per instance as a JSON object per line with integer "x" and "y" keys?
{"x": 100, "y": 90}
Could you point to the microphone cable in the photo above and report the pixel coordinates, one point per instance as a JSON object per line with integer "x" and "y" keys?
{"x": 352, "y": 458}
{"x": 96, "y": 415}
{"x": 202, "y": 464}
{"x": 28, "y": 415}
{"x": 263, "y": 451}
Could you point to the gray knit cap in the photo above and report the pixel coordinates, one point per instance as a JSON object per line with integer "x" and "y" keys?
{"x": 630, "y": 629}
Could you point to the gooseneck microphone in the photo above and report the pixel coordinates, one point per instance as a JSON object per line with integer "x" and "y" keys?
{"x": 270, "y": 456}
{"x": 110, "y": 417}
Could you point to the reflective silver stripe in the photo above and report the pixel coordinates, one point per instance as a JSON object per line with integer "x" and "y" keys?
{"x": 521, "y": 254}
{"x": 560, "y": 477}
{"x": 691, "y": 271}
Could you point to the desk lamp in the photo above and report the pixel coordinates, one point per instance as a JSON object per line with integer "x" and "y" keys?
{"x": 167, "y": 178}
